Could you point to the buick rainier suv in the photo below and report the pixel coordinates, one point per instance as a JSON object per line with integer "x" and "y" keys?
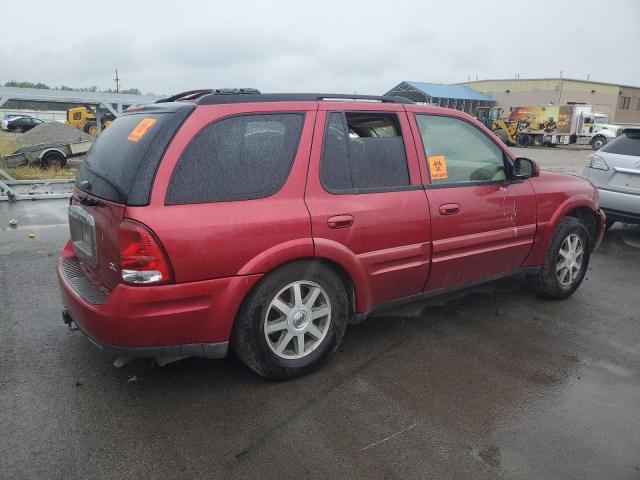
{"x": 265, "y": 223}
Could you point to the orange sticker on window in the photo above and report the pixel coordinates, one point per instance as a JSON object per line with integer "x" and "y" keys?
{"x": 438, "y": 167}
{"x": 142, "y": 128}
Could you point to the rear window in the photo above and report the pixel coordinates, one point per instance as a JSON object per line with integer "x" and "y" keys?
{"x": 363, "y": 152}
{"x": 121, "y": 165}
{"x": 626, "y": 144}
{"x": 237, "y": 158}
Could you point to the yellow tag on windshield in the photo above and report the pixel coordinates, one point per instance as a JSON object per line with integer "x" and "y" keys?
{"x": 141, "y": 129}
{"x": 438, "y": 167}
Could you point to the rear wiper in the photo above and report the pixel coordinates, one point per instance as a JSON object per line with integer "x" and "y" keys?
{"x": 87, "y": 200}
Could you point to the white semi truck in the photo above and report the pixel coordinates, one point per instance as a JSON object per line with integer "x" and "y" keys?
{"x": 563, "y": 125}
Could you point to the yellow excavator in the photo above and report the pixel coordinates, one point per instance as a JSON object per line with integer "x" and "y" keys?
{"x": 505, "y": 130}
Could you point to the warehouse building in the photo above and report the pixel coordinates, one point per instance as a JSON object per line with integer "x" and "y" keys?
{"x": 620, "y": 102}
{"x": 459, "y": 97}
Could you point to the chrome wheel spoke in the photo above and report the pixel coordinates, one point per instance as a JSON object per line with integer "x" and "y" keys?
{"x": 285, "y": 339}
{"x": 281, "y": 306}
{"x": 319, "y": 313}
{"x": 560, "y": 265}
{"x": 300, "y": 344}
{"x": 297, "y": 294}
{"x": 312, "y": 297}
{"x": 314, "y": 331}
{"x": 276, "y": 326}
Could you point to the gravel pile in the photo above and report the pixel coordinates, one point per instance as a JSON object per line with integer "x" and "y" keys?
{"x": 51, "y": 132}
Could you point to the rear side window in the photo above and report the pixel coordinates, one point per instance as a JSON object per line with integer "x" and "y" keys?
{"x": 362, "y": 152}
{"x": 121, "y": 165}
{"x": 626, "y": 144}
{"x": 237, "y": 158}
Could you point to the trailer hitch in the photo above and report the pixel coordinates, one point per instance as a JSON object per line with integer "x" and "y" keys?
{"x": 68, "y": 320}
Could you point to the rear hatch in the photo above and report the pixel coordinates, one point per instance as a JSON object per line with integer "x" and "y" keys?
{"x": 118, "y": 171}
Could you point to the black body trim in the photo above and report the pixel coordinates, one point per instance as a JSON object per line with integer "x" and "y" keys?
{"x": 359, "y": 317}
{"x": 618, "y": 216}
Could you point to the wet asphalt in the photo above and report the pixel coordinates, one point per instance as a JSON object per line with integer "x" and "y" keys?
{"x": 491, "y": 383}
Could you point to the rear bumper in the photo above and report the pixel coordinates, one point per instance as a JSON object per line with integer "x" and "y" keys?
{"x": 168, "y": 320}
{"x": 619, "y": 204}
{"x": 207, "y": 350}
{"x": 624, "y": 217}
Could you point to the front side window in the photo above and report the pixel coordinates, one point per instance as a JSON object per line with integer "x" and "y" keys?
{"x": 237, "y": 158}
{"x": 458, "y": 152}
{"x": 363, "y": 152}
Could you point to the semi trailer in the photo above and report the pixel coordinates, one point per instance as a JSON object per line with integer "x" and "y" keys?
{"x": 562, "y": 125}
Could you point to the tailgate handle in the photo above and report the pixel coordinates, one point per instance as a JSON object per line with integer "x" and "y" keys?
{"x": 340, "y": 221}
{"x": 449, "y": 209}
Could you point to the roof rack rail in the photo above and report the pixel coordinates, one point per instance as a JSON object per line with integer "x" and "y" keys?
{"x": 251, "y": 97}
{"x": 195, "y": 94}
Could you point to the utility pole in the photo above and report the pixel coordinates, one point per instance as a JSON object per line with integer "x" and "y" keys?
{"x": 117, "y": 79}
{"x": 560, "y": 85}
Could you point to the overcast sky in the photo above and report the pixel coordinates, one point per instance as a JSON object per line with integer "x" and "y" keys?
{"x": 367, "y": 47}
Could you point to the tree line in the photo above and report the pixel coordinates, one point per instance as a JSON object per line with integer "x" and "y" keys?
{"x": 29, "y": 105}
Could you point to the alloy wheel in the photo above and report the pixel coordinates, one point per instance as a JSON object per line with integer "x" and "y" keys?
{"x": 569, "y": 260}
{"x": 297, "y": 320}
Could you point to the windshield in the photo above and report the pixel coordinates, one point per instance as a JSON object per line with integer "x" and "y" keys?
{"x": 602, "y": 119}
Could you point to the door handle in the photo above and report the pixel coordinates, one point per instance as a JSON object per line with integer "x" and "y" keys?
{"x": 340, "y": 221}
{"x": 449, "y": 209}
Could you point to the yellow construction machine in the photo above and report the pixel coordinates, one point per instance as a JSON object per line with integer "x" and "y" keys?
{"x": 84, "y": 118}
{"x": 505, "y": 130}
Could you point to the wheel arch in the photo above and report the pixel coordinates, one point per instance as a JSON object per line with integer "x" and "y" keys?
{"x": 332, "y": 254}
{"x": 581, "y": 207}
{"x": 588, "y": 217}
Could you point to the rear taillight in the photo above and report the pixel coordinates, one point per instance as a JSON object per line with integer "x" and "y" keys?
{"x": 142, "y": 258}
{"x": 597, "y": 162}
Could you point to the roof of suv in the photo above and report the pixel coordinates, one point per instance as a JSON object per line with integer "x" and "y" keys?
{"x": 251, "y": 95}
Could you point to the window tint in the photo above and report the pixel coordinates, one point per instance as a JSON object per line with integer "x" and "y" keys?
{"x": 626, "y": 144}
{"x": 458, "y": 152}
{"x": 363, "y": 151}
{"x": 237, "y": 158}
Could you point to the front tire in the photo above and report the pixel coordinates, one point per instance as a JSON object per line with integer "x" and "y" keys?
{"x": 291, "y": 321}
{"x": 524, "y": 140}
{"x": 598, "y": 142}
{"x": 566, "y": 261}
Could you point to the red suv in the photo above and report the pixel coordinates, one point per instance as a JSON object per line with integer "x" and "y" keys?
{"x": 268, "y": 222}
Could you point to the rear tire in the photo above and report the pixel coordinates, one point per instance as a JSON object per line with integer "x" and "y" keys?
{"x": 538, "y": 140}
{"x": 283, "y": 331}
{"x": 566, "y": 261}
{"x": 18, "y": 130}
{"x": 91, "y": 128}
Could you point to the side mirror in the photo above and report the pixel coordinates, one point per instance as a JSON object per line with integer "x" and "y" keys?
{"x": 525, "y": 168}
